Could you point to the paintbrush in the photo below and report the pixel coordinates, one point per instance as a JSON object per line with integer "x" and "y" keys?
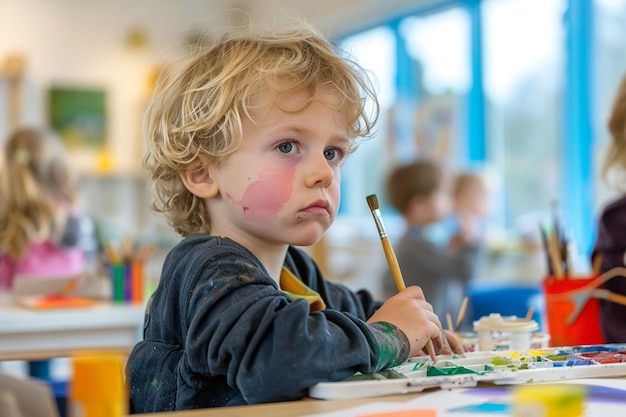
{"x": 449, "y": 320}
{"x": 459, "y": 318}
{"x": 529, "y": 314}
{"x": 372, "y": 202}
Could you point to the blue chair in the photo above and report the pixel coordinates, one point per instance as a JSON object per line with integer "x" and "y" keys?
{"x": 41, "y": 370}
{"x": 506, "y": 298}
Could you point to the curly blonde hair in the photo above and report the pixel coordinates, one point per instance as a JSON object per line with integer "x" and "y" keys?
{"x": 37, "y": 185}
{"x": 197, "y": 109}
{"x": 615, "y": 159}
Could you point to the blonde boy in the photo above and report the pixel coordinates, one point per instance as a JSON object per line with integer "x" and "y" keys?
{"x": 245, "y": 144}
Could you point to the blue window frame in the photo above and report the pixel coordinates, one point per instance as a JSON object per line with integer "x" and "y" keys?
{"x": 570, "y": 169}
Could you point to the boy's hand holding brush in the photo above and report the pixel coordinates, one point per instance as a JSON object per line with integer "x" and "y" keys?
{"x": 411, "y": 313}
{"x": 408, "y": 310}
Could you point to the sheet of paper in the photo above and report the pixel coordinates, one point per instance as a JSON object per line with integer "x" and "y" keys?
{"x": 606, "y": 398}
{"x": 371, "y": 408}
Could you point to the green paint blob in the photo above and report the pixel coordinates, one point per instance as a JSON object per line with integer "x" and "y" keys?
{"x": 499, "y": 361}
{"x": 419, "y": 365}
{"x": 456, "y": 370}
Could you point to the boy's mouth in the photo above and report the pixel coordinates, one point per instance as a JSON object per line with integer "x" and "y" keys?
{"x": 319, "y": 207}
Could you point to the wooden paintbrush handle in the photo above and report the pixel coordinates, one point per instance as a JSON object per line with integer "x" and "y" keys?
{"x": 393, "y": 264}
{"x": 397, "y": 277}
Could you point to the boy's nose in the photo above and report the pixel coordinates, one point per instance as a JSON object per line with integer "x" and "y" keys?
{"x": 319, "y": 172}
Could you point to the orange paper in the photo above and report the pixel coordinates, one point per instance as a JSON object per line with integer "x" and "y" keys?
{"x": 53, "y": 301}
{"x": 403, "y": 413}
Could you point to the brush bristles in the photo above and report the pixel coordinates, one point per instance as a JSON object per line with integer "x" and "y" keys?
{"x": 372, "y": 201}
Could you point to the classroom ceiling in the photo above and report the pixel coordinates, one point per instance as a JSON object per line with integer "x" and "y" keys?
{"x": 332, "y": 16}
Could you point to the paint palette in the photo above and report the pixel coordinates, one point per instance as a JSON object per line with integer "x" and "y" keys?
{"x": 494, "y": 367}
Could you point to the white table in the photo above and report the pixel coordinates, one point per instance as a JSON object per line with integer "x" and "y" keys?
{"x": 27, "y": 334}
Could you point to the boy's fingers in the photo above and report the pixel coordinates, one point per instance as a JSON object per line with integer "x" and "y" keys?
{"x": 413, "y": 291}
{"x": 448, "y": 343}
{"x": 455, "y": 344}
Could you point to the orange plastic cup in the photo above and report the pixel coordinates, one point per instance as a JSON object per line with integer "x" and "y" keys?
{"x": 97, "y": 388}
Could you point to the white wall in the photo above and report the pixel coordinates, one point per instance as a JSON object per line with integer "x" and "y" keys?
{"x": 84, "y": 43}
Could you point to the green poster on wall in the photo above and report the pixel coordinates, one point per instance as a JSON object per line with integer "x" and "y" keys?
{"x": 78, "y": 116}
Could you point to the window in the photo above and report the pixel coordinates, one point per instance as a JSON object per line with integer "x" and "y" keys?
{"x": 523, "y": 45}
{"x": 422, "y": 67}
{"x": 546, "y": 71}
{"x": 439, "y": 45}
{"x": 362, "y": 174}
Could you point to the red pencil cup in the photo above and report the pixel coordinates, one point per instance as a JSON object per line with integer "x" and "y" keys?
{"x": 573, "y": 315}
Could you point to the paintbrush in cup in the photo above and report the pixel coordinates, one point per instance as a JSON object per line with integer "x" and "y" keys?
{"x": 459, "y": 318}
{"x": 372, "y": 202}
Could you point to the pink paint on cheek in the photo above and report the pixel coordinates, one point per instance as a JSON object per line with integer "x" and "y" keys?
{"x": 268, "y": 194}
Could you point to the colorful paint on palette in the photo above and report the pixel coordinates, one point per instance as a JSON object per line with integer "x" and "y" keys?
{"x": 495, "y": 367}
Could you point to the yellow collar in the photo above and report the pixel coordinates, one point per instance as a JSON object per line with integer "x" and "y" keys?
{"x": 296, "y": 289}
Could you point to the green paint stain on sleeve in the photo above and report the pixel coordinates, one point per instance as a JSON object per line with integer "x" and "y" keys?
{"x": 384, "y": 326}
{"x": 154, "y": 384}
{"x": 390, "y": 344}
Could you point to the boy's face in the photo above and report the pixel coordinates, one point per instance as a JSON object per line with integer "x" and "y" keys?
{"x": 437, "y": 205}
{"x": 474, "y": 201}
{"x": 282, "y": 185}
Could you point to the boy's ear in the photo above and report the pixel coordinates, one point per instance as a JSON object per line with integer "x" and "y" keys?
{"x": 198, "y": 181}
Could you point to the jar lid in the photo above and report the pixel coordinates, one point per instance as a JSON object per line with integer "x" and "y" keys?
{"x": 495, "y": 322}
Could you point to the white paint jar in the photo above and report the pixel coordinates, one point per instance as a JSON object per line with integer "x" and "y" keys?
{"x": 496, "y": 332}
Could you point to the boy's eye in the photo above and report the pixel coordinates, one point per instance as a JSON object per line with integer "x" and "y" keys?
{"x": 332, "y": 154}
{"x": 287, "y": 147}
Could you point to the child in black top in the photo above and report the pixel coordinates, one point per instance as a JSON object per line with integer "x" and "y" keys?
{"x": 610, "y": 247}
{"x": 244, "y": 147}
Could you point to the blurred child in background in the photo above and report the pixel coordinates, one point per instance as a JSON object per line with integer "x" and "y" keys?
{"x": 42, "y": 235}
{"x": 440, "y": 265}
{"x": 470, "y": 209}
{"x": 41, "y": 232}
{"x": 610, "y": 247}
